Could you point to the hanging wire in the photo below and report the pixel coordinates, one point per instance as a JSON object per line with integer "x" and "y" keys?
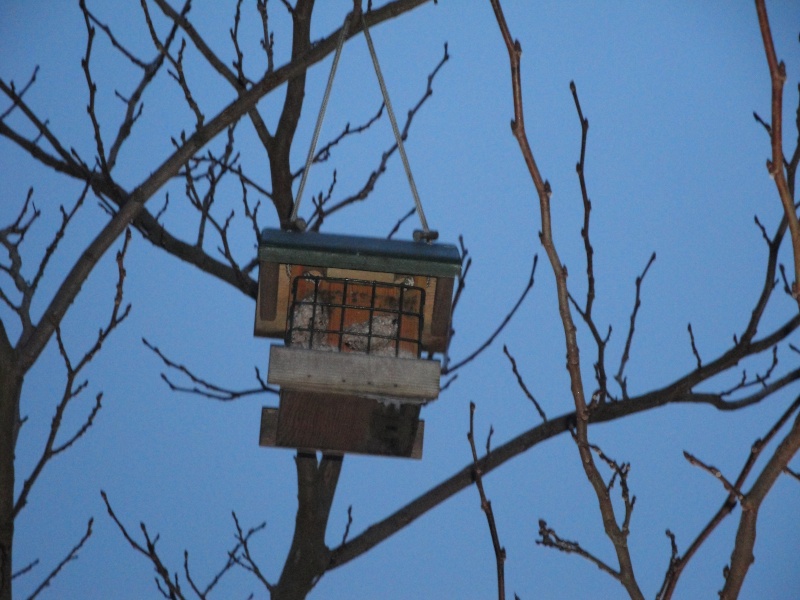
{"x": 342, "y": 36}
{"x": 426, "y": 234}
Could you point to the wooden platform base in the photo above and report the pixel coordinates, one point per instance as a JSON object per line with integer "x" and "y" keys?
{"x": 342, "y": 424}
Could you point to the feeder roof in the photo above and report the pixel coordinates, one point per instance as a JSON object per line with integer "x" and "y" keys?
{"x": 362, "y": 253}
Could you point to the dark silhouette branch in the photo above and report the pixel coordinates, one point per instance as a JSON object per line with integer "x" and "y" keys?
{"x": 71, "y": 556}
{"x": 522, "y": 385}
{"x": 323, "y": 154}
{"x": 309, "y": 557}
{"x": 620, "y": 377}
{"x": 241, "y": 554}
{"x": 775, "y": 166}
{"x": 204, "y": 388}
{"x": 132, "y": 203}
{"x": 464, "y": 361}
{"x": 72, "y": 388}
{"x": 20, "y": 94}
{"x": 678, "y": 563}
{"x": 742, "y": 556}
{"x": 729, "y": 487}
{"x": 550, "y": 539}
{"x": 486, "y": 506}
{"x": 166, "y": 584}
{"x": 616, "y": 534}
{"x": 680, "y": 390}
{"x": 400, "y": 222}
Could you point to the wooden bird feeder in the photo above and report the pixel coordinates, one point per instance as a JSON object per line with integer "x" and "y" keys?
{"x": 355, "y": 314}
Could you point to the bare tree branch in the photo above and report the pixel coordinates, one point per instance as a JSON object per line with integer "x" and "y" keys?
{"x": 171, "y": 587}
{"x": 678, "y": 563}
{"x": 72, "y": 555}
{"x": 242, "y": 556}
{"x": 620, "y": 377}
{"x": 529, "y": 285}
{"x": 205, "y": 388}
{"x": 775, "y": 166}
{"x": 522, "y": 385}
{"x": 131, "y": 203}
{"x": 742, "y": 556}
{"x": 486, "y": 507}
{"x": 693, "y": 460}
{"x": 550, "y": 539}
{"x": 72, "y": 389}
{"x": 618, "y": 535}
{"x": 309, "y": 557}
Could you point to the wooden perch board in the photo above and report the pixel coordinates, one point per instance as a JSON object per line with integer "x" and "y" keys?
{"x": 412, "y": 380}
{"x": 351, "y": 424}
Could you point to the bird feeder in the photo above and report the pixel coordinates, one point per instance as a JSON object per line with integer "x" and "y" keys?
{"x": 355, "y": 314}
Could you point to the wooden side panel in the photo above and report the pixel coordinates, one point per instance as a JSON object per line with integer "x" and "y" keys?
{"x": 413, "y": 380}
{"x": 342, "y": 424}
{"x": 267, "y": 299}
{"x": 442, "y": 304}
{"x": 272, "y": 300}
{"x": 438, "y": 306}
{"x": 268, "y": 291}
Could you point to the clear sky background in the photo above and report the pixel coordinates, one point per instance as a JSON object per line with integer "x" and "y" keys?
{"x": 675, "y": 165}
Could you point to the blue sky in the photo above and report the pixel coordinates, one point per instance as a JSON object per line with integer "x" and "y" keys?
{"x": 675, "y": 165}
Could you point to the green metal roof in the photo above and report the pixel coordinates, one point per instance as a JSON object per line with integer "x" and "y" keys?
{"x": 362, "y": 253}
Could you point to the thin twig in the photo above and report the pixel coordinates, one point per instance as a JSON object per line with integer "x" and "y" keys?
{"x": 244, "y": 558}
{"x": 742, "y": 555}
{"x": 72, "y": 389}
{"x": 503, "y": 323}
{"x": 486, "y": 507}
{"x": 26, "y": 569}
{"x": 400, "y": 221}
{"x": 21, "y": 93}
{"x": 678, "y": 563}
{"x": 72, "y": 555}
{"x": 148, "y": 550}
{"x": 522, "y": 385}
{"x": 775, "y": 166}
{"x": 550, "y": 539}
{"x": 729, "y": 487}
{"x": 637, "y": 302}
{"x": 349, "y": 523}
{"x": 205, "y": 388}
{"x": 618, "y": 536}
{"x": 694, "y": 347}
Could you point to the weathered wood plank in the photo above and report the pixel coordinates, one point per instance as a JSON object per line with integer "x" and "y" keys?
{"x": 342, "y": 424}
{"x": 408, "y": 379}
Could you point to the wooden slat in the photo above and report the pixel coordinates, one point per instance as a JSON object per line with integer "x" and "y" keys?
{"x": 342, "y": 424}
{"x": 440, "y": 325}
{"x": 413, "y": 380}
{"x": 364, "y": 275}
{"x": 268, "y": 291}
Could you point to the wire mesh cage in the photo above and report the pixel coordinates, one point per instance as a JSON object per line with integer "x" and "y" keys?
{"x": 353, "y": 315}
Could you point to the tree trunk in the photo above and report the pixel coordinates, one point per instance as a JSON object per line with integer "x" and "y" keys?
{"x": 309, "y": 557}
{"x": 10, "y": 387}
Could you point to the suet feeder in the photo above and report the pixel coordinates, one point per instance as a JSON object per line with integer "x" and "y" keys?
{"x": 355, "y": 314}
